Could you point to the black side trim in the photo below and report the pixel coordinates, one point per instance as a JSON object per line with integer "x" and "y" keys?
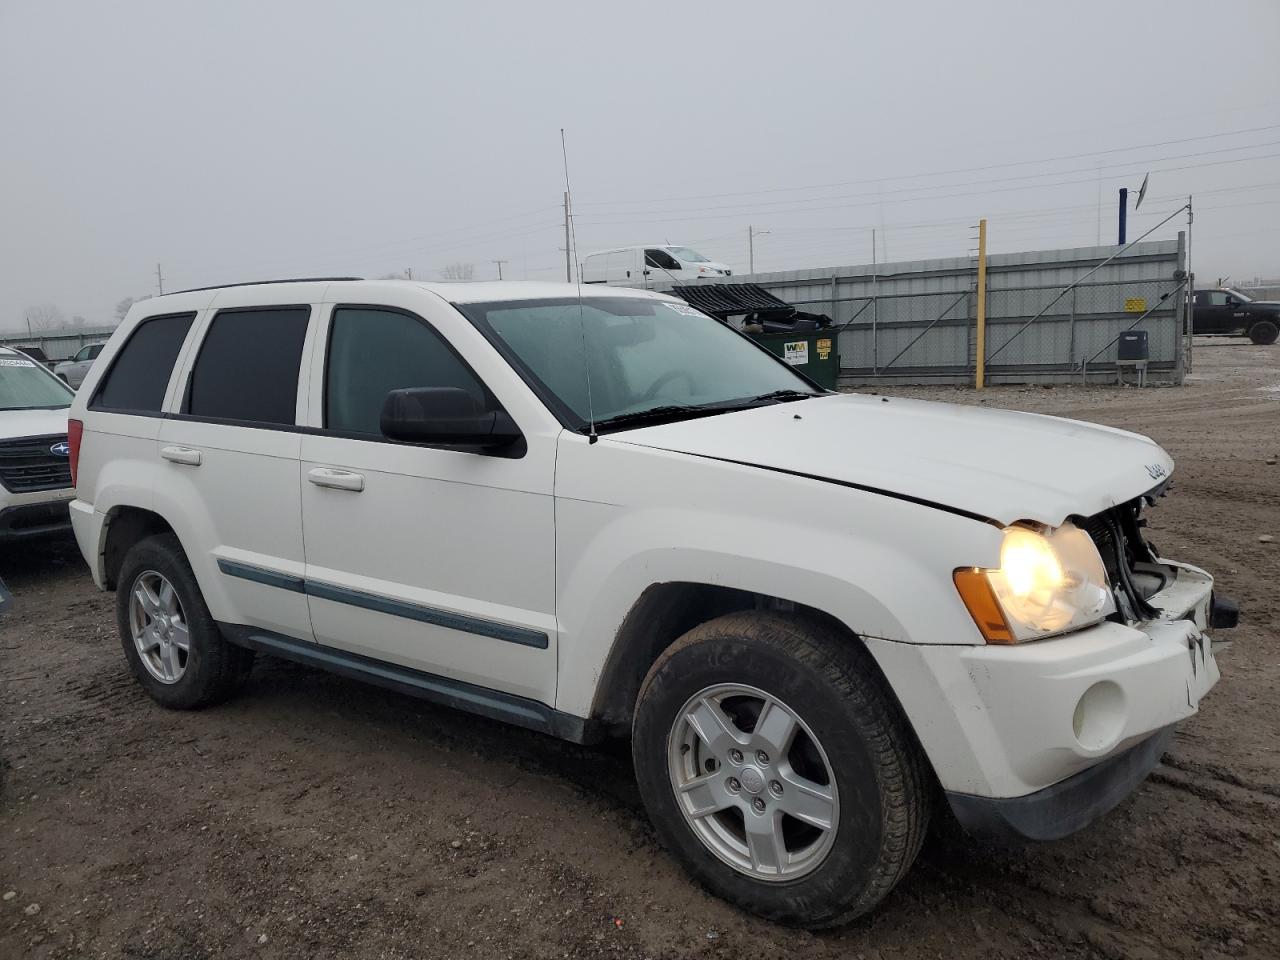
{"x": 396, "y": 608}
{"x": 271, "y": 578}
{"x": 493, "y": 704}
{"x": 432, "y": 615}
{"x": 879, "y": 491}
{"x": 1064, "y": 807}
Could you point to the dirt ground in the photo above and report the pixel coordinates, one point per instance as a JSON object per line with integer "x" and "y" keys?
{"x": 316, "y": 817}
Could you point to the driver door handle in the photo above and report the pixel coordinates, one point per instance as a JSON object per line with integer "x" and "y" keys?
{"x": 336, "y": 479}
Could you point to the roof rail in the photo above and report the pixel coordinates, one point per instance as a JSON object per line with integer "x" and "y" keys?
{"x": 258, "y": 283}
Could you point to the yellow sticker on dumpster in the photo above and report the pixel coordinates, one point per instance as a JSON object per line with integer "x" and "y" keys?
{"x": 1135, "y": 305}
{"x": 824, "y": 349}
{"x": 796, "y": 354}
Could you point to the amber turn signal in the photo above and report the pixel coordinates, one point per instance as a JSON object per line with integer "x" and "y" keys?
{"x": 980, "y": 599}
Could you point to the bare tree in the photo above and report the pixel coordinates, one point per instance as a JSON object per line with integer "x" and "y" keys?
{"x": 45, "y": 316}
{"x": 123, "y": 306}
{"x": 458, "y": 271}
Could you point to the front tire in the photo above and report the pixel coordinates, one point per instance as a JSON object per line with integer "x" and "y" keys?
{"x": 170, "y": 639}
{"x": 778, "y": 768}
{"x": 1264, "y": 332}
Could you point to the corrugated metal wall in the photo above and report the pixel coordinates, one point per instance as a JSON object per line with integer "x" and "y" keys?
{"x": 914, "y": 321}
{"x": 60, "y": 345}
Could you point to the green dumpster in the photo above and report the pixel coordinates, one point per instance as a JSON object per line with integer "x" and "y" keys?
{"x": 812, "y": 352}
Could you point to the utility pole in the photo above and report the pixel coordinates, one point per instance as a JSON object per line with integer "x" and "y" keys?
{"x": 568, "y": 255}
{"x": 159, "y": 280}
{"x": 499, "y": 263}
{"x": 751, "y": 247}
{"x": 980, "y": 363}
{"x": 875, "y": 310}
{"x": 1124, "y": 213}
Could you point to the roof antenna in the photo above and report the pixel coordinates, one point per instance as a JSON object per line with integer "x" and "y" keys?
{"x": 582, "y": 324}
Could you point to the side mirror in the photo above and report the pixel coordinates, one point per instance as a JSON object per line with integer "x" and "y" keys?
{"x": 445, "y": 416}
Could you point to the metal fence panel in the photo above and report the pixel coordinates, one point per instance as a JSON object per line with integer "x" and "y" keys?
{"x": 914, "y": 322}
{"x": 60, "y": 345}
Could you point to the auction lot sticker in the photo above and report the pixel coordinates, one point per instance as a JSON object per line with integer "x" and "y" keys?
{"x": 796, "y": 353}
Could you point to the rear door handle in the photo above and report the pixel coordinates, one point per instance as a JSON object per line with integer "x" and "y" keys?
{"x": 336, "y": 479}
{"x": 181, "y": 455}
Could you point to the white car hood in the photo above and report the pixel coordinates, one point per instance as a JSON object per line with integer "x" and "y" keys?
{"x": 993, "y": 464}
{"x": 15, "y": 424}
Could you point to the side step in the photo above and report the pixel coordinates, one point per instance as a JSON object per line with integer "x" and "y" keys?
{"x": 494, "y": 704}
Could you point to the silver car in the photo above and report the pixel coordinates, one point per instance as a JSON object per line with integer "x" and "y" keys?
{"x": 73, "y": 371}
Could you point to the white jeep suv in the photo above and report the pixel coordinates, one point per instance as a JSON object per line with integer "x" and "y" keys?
{"x": 606, "y": 514}
{"x": 35, "y": 464}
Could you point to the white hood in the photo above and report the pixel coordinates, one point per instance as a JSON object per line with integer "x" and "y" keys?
{"x": 996, "y": 464}
{"x": 15, "y": 424}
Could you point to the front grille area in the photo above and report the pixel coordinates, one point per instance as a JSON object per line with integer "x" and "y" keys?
{"x": 28, "y": 464}
{"x": 1131, "y": 565}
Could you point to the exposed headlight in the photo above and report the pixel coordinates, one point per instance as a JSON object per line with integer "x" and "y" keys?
{"x": 1048, "y": 582}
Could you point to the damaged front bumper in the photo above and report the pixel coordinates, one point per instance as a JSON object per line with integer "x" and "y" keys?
{"x": 1127, "y": 687}
{"x": 1036, "y": 740}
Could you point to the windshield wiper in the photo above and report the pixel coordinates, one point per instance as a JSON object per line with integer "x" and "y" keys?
{"x": 774, "y": 396}
{"x": 669, "y": 411}
{"x": 783, "y": 396}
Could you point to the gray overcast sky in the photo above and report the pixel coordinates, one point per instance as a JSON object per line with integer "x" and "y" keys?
{"x": 247, "y": 140}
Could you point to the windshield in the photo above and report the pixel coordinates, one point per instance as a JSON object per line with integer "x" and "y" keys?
{"x": 642, "y": 355}
{"x": 1238, "y": 295}
{"x": 24, "y": 386}
{"x": 687, "y": 255}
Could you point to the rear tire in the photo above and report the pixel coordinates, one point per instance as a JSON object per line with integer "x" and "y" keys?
{"x": 170, "y": 639}
{"x": 863, "y": 827}
{"x": 1264, "y": 332}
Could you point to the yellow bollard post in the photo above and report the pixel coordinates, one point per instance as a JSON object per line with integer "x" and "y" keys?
{"x": 980, "y": 362}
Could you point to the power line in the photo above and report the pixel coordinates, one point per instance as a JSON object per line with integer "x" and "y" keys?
{"x": 939, "y": 173}
{"x": 879, "y": 194}
{"x": 746, "y": 211}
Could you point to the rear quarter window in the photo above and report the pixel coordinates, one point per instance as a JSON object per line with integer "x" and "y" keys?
{"x": 139, "y": 374}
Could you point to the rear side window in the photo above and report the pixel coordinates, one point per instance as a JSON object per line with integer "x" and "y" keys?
{"x": 140, "y": 373}
{"x": 371, "y": 353}
{"x": 247, "y": 368}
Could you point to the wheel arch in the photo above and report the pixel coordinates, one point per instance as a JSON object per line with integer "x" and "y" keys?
{"x": 125, "y": 526}
{"x": 662, "y": 614}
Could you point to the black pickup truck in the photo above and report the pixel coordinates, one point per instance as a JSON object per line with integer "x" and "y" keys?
{"x": 1223, "y": 311}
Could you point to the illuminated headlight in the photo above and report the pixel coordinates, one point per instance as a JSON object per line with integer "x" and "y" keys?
{"x": 1048, "y": 582}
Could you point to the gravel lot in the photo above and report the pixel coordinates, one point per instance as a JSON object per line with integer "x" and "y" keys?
{"x": 317, "y": 817}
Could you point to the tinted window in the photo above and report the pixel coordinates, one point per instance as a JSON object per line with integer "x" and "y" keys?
{"x": 661, "y": 259}
{"x": 94, "y": 351}
{"x": 138, "y": 377}
{"x": 372, "y": 352}
{"x": 248, "y": 366}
